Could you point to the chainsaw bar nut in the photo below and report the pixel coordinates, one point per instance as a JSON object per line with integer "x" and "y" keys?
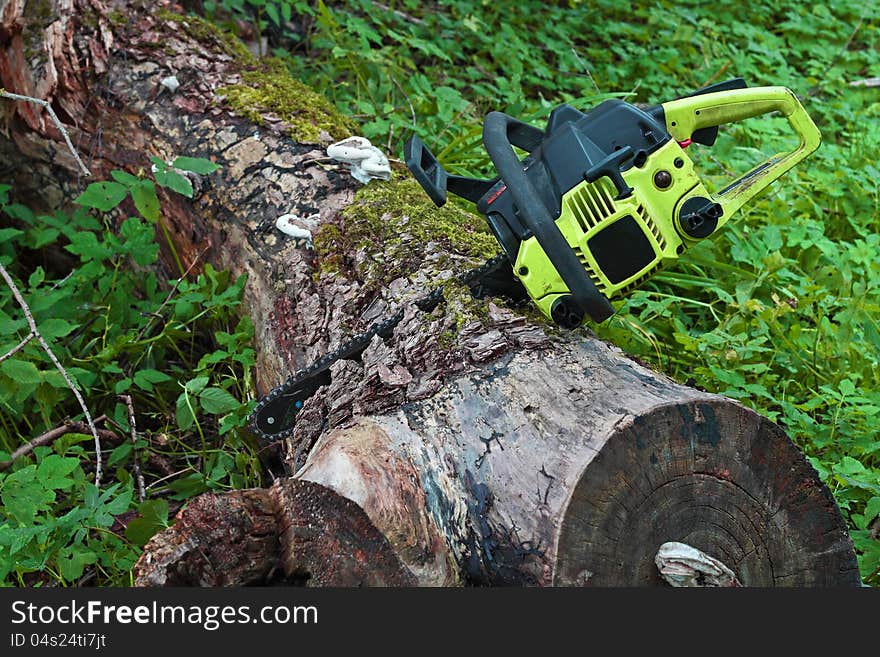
{"x": 662, "y": 179}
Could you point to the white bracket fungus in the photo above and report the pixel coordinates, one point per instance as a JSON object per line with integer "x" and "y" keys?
{"x": 297, "y": 228}
{"x": 365, "y": 160}
{"x": 682, "y": 565}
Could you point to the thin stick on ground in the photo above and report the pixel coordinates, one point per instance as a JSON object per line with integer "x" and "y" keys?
{"x": 55, "y": 120}
{"x": 867, "y": 82}
{"x": 51, "y": 436}
{"x": 21, "y": 345}
{"x": 139, "y": 477}
{"x": 59, "y": 367}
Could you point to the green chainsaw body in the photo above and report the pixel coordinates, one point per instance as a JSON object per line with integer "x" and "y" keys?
{"x": 607, "y": 198}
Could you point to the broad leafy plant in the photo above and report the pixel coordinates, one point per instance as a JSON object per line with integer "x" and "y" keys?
{"x": 180, "y": 349}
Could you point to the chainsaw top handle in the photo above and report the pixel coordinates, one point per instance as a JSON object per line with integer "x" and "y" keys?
{"x": 686, "y": 116}
{"x": 500, "y": 133}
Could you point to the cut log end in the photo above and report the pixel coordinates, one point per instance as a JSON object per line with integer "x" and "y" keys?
{"x": 218, "y": 540}
{"x": 713, "y": 475}
{"x": 295, "y": 533}
{"x": 328, "y": 540}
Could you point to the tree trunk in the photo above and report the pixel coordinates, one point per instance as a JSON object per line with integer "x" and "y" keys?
{"x": 474, "y": 446}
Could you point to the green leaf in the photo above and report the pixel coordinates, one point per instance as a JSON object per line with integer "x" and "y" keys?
{"x": 166, "y": 177}
{"x": 872, "y": 509}
{"x": 87, "y": 247}
{"x": 24, "y": 495}
{"x": 195, "y": 164}
{"x": 196, "y": 385}
{"x": 145, "y": 200}
{"x": 139, "y": 241}
{"x": 120, "y": 503}
{"x": 21, "y": 371}
{"x": 153, "y": 518}
{"x": 40, "y": 237}
{"x": 183, "y": 413}
{"x": 53, "y": 471}
{"x": 55, "y": 328}
{"x": 272, "y": 13}
{"x": 145, "y": 379}
{"x": 125, "y": 178}
{"x": 36, "y": 277}
{"x": 120, "y": 454}
{"x": 73, "y": 563}
{"x": 188, "y": 486}
{"x": 8, "y": 234}
{"x": 217, "y": 401}
{"x": 103, "y": 196}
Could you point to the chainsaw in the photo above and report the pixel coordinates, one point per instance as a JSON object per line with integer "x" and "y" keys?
{"x": 601, "y": 201}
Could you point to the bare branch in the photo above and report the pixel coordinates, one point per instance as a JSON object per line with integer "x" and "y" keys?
{"x": 59, "y": 366}
{"x": 55, "y": 120}
{"x": 867, "y": 82}
{"x": 51, "y": 436}
{"x": 137, "y": 466}
{"x": 21, "y": 345}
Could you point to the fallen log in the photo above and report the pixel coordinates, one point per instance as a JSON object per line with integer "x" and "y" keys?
{"x": 476, "y": 445}
{"x": 566, "y": 466}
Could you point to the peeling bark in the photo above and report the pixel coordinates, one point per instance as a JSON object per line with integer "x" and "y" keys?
{"x": 474, "y": 446}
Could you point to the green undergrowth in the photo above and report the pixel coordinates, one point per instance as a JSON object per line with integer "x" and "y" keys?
{"x": 179, "y": 349}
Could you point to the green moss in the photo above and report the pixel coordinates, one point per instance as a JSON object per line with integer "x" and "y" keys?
{"x": 330, "y": 243}
{"x": 39, "y": 11}
{"x": 267, "y": 86}
{"x": 461, "y": 305}
{"x": 38, "y": 15}
{"x": 117, "y": 18}
{"x": 270, "y": 89}
{"x": 211, "y": 36}
{"x": 394, "y": 220}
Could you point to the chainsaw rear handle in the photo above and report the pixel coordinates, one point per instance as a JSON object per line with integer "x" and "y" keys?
{"x": 500, "y": 133}
{"x": 686, "y": 116}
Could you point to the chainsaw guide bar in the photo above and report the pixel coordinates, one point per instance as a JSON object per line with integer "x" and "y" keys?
{"x": 274, "y": 416}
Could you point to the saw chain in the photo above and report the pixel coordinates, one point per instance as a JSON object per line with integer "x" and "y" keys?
{"x": 274, "y": 416}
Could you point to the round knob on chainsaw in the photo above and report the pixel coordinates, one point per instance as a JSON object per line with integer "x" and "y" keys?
{"x": 566, "y": 313}
{"x": 699, "y": 216}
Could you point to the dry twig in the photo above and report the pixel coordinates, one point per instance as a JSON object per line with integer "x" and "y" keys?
{"x": 30, "y": 319}
{"x": 867, "y": 82}
{"x": 137, "y": 466}
{"x": 21, "y": 345}
{"x": 55, "y": 120}
{"x": 51, "y": 436}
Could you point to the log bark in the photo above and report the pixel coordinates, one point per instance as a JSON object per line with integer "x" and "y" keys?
{"x": 476, "y": 445}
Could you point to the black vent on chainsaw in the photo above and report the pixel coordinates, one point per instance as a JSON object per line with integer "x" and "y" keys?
{"x": 621, "y": 250}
